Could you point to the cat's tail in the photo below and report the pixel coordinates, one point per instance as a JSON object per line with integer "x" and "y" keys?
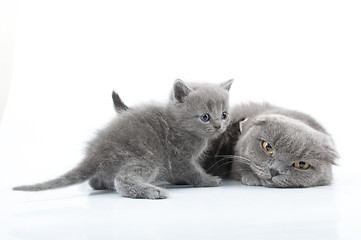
{"x": 81, "y": 173}
{"x": 119, "y": 105}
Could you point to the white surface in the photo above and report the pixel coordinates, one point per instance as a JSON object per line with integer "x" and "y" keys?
{"x": 7, "y": 37}
{"x": 229, "y": 212}
{"x": 70, "y": 55}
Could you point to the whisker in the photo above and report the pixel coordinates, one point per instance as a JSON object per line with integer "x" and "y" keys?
{"x": 220, "y": 160}
{"x": 223, "y": 164}
{"x": 238, "y": 169}
{"x": 256, "y": 167}
{"x": 240, "y": 158}
{"x": 231, "y": 159}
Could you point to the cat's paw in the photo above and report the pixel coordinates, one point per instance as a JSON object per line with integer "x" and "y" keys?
{"x": 98, "y": 184}
{"x": 209, "y": 181}
{"x": 155, "y": 193}
{"x": 250, "y": 179}
{"x": 146, "y": 191}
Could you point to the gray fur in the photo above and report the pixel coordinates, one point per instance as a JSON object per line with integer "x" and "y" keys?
{"x": 300, "y": 137}
{"x": 294, "y": 136}
{"x": 146, "y": 146}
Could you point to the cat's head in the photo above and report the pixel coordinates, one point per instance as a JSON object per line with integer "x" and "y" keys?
{"x": 286, "y": 152}
{"x": 201, "y": 108}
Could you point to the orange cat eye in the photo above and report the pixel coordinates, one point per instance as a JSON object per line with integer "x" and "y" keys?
{"x": 301, "y": 165}
{"x": 267, "y": 147}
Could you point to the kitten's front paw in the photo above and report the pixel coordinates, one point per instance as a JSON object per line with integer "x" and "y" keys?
{"x": 146, "y": 191}
{"x": 209, "y": 181}
{"x": 156, "y": 193}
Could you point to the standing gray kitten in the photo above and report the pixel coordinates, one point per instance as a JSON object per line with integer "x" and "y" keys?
{"x": 274, "y": 147}
{"x": 146, "y": 146}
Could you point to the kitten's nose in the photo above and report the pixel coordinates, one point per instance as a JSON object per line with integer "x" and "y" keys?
{"x": 217, "y": 127}
{"x": 274, "y": 172}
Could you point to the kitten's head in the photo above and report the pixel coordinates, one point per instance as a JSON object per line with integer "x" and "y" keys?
{"x": 285, "y": 152}
{"x": 201, "y": 108}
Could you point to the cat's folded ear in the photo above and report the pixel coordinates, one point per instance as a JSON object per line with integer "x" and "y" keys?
{"x": 241, "y": 124}
{"x": 180, "y": 90}
{"x": 227, "y": 84}
{"x": 260, "y": 121}
{"x": 237, "y": 127}
{"x": 332, "y": 154}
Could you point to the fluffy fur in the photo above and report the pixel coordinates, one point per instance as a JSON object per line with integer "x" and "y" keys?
{"x": 146, "y": 146}
{"x": 294, "y": 137}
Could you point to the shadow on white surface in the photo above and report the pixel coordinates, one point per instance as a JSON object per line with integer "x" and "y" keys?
{"x": 231, "y": 211}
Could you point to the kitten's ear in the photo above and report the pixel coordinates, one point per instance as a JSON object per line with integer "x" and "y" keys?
{"x": 181, "y": 90}
{"x": 227, "y": 84}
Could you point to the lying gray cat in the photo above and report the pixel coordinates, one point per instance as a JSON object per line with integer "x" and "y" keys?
{"x": 150, "y": 145}
{"x": 274, "y": 147}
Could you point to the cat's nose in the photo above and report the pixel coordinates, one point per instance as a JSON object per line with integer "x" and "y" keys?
{"x": 217, "y": 127}
{"x": 274, "y": 172}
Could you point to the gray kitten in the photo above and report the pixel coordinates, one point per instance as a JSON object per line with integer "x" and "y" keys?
{"x": 147, "y": 146}
{"x": 274, "y": 147}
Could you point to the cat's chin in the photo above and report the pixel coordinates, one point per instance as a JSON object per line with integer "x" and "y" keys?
{"x": 210, "y": 134}
{"x": 214, "y": 135}
{"x": 270, "y": 182}
{"x": 274, "y": 183}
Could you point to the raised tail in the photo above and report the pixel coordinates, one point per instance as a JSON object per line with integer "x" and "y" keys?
{"x": 119, "y": 105}
{"x": 77, "y": 175}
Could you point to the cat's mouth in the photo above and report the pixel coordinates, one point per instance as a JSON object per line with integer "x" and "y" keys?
{"x": 214, "y": 133}
{"x": 276, "y": 181}
{"x": 269, "y": 180}
{"x": 218, "y": 131}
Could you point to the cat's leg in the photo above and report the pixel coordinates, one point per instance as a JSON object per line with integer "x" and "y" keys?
{"x": 135, "y": 180}
{"x": 195, "y": 175}
{"x": 98, "y": 183}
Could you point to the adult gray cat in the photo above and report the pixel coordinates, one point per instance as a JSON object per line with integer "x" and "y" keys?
{"x": 146, "y": 146}
{"x": 274, "y": 147}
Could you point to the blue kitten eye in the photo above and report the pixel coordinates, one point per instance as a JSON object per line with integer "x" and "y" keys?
{"x": 224, "y": 115}
{"x": 205, "y": 117}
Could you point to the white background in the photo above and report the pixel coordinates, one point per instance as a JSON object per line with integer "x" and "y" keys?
{"x": 70, "y": 55}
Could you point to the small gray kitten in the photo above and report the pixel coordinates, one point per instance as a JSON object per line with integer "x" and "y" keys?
{"x": 274, "y": 147}
{"x": 145, "y": 147}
